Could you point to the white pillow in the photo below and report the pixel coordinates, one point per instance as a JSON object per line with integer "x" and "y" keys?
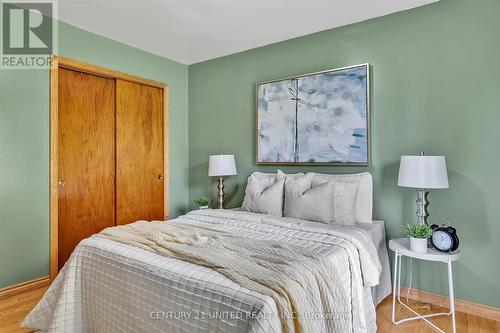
{"x": 264, "y": 194}
{"x": 290, "y": 175}
{"x": 363, "y": 206}
{"x": 344, "y": 202}
{"x": 262, "y": 175}
{"x": 305, "y": 202}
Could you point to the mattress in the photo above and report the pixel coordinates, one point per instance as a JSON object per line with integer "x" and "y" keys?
{"x": 113, "y": 287}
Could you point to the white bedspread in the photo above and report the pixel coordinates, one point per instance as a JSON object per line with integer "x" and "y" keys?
{"x": 112, "y": 287}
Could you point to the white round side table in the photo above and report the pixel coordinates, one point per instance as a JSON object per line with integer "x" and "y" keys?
{"x": 401, "y": 247}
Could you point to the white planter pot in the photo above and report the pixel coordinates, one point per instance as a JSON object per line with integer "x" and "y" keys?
{"x": 418, "y": 245}
{"x": 203, "y": 207}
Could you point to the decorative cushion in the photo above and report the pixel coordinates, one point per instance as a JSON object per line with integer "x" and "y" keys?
{"x": 363, "y": 205}
{"x": 344, "y": 201}
{"x": 263, "y": 175}
{"x": 279, "y": 174}
{"x": 264, "y": 194}
{"x": 290, "y": 175}
{"x": 305, "y": 202}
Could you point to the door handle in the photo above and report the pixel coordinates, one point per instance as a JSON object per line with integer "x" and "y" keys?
{"x": 159, "y": 177}
{"x": 61, "y": 182}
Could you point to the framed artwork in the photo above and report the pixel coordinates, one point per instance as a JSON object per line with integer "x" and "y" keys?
{"x": 316, "y": 118}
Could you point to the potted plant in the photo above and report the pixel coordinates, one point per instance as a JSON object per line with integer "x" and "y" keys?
{"x": 419, "y": 233}
{"x": 202, "y": 202}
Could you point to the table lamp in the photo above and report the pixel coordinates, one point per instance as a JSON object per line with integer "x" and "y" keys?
{"x": 423, "y": 173}
{"x": 220, "y": 166}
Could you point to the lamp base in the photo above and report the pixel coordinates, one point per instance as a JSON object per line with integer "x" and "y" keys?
{"x": 422, "y": 204}
{"x": 220, "y": 192}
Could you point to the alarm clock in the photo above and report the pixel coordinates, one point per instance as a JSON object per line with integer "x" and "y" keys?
{"x": 444, "y": 238}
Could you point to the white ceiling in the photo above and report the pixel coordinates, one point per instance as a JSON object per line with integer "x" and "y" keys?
{"x": 191, "y": 31}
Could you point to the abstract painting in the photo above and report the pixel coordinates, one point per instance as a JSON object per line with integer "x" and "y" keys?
{"x": 318, "y": 118}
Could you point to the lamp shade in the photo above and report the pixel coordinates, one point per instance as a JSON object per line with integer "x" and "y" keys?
{"x": 221, "y": 165}
{"x": 425, "y": 172}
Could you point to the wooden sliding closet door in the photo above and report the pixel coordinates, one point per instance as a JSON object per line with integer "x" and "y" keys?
{"x": 139, "y": 152}
{"x": 86, "y": 157}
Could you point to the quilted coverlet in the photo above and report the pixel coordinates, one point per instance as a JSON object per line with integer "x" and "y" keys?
{"x": 110, "y": 286}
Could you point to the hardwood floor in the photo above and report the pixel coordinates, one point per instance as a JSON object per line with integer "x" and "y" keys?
{"x": 465, "y": 322}
{"x": 15, "y": 308}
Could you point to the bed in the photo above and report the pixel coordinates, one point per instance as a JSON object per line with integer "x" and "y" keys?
{"x": 109, "y": 286}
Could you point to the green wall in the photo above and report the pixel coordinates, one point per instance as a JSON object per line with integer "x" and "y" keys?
{"x": 24, "y": 145}
{"x": 435, "y": 88}
{"x": 24, "y": 180}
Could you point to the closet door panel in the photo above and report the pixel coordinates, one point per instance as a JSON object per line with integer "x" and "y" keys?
{"x": 139, "y": 152}
{"x": 86, "y": 157}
